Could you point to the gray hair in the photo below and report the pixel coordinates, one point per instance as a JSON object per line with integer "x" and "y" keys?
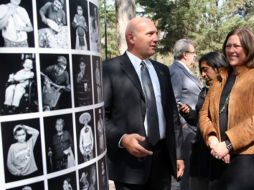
{"x": 180, "y": 47}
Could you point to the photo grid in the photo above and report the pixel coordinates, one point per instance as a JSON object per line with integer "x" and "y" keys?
{"x": 51, "y": 106}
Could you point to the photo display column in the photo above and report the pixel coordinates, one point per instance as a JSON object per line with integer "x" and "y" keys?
{"x": 52, "y": 134}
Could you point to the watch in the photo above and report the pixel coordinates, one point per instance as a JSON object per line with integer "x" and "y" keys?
{"x": 229, "y": 145}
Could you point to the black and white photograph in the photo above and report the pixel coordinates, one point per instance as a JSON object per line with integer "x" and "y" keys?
{"x": 59, "y": 142}
{"x": 21, "y": 149}
{"x": 64, "y": 182}
{"x": 79, "y": 25}
{"x": 97, "y": 69}
{"x": 82, "y": 80}
{"x": 33, "y": 186}
{"x": 103, "y": 178}
{"x": 16, "y": 24}
{"x": 56, "y": 87}
{"x": 100, "y": 134}
{"x": 52, "y": 24}
{"x": 51, "y": 100}
{"x": 85, "y": 130}
{"x": 94, "y": 28}
{"x": 87, "y": 178}
{"x": 18, "y": 84}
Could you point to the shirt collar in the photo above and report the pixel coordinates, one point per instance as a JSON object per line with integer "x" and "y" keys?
{"x": 185, "y": 66}
{"x": 136, "y": 61}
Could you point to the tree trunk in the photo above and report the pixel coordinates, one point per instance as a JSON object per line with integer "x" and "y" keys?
{"x": 125, "y": 10}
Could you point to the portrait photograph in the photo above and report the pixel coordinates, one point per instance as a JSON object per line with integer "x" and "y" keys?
{"x": 32, "y": 186}
{"x": 97, "y": 73}
{"x": 64, "y": 182}
{"x": 21, "y": 149}
{"x": 100, "y": 131}
{"x": 52, "y": 24}
{"x": 85, "y": 134}
{"x": 94, "y": 28}
{"x": 87, "y": 178}
{"x": 59, "y": 144}
{"x": 18, "y": 84}
{"x": 102, "y": 170}
{"x": 79, "y": 25}
{"x": 82, "y": 80}
{"x": 16, "y": 24}
{"x": 56, "y": 86}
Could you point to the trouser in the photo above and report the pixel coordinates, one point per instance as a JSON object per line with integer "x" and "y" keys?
{"x": 13, "y": 95}
{"x": 159, "y": 177}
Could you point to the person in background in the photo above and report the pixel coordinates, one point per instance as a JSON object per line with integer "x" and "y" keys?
{"x": 226, "y": 117}
{"x": 186, "y": 88}
{"x": 210, "y": 66}
{"x": 142, "y": 124}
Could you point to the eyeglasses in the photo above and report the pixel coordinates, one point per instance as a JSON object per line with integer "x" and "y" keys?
{"x": 236, "y": 46}
{"x": 191, "y": 52}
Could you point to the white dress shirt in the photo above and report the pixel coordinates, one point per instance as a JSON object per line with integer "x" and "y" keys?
{"x": 136, "y": 62}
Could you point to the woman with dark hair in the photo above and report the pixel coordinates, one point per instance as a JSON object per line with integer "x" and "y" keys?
{"x": 227, "y": 115}
{"x": 210, "y": 66}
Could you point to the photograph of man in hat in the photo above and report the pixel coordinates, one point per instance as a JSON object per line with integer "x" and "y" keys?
{"x": 86, "y": 138}
{"x": 56, "y": 85}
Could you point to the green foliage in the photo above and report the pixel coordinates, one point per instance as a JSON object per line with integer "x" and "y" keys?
{"x": 203, "y": 21}
{"x": 111, "y": 30}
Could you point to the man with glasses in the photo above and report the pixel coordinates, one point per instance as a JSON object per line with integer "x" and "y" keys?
{"x": 186, "y": 88}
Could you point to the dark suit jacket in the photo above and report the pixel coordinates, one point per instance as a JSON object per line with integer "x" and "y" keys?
{"x": 125, "y": 110}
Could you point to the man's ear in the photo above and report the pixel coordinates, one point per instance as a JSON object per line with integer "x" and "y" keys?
{"x": 130, "y": 38}
{"x": 184, "y": 55}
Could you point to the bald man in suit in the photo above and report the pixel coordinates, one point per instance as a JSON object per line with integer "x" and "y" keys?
{"x": 134, "y": 162}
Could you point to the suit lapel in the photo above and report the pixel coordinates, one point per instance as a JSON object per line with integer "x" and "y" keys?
{"x": 193, "y": 78}
{"x": 128, "y": 68}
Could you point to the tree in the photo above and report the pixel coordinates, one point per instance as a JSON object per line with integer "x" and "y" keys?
{"x": 125, "y": 10}
{"x": 112, "y": 47}
{"x": 206, "y": 22}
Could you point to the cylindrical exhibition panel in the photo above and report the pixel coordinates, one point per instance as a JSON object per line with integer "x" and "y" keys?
{"x": 51, "y": 107}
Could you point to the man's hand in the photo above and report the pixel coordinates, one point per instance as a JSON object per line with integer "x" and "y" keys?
{"x": 132, "y": 144}
{"x": 180, "y": 168}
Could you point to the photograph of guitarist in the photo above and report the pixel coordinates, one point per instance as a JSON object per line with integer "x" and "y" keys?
{"x": 56, "y": 82}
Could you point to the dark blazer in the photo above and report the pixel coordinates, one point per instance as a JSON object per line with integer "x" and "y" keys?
{"x": 125, "y": 113}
